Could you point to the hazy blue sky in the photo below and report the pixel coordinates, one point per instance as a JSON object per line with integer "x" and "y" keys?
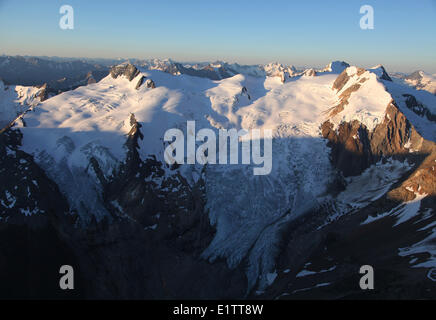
{"x": 303, "y": 33}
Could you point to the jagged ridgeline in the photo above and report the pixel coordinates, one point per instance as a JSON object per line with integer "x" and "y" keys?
{"x": 84, "y": 181}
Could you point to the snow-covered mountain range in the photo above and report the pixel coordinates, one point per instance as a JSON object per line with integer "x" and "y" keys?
{"x": 353, "y": 161}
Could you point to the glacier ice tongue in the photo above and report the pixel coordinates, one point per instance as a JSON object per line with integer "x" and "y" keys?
{"x": 249, "y": 212}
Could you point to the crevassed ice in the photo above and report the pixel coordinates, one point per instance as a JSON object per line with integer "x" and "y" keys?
{"x": 249, "y": 211}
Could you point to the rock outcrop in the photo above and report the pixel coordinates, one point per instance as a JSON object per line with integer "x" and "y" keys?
{"x": 43, "y": 93}
{"x": 128, "y": 70}
{"x": 140, "y": 82}
{"x": 418, "y": 108}
{"x": 150, "y": 84}
{"x": 310, "y": 73}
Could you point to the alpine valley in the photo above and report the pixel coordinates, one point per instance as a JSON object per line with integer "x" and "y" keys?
{"x": 83, "y": 181}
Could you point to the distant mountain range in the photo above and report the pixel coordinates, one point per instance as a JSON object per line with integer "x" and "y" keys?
{"x": 421, "y": 81}
{"x": 63, "y": 74}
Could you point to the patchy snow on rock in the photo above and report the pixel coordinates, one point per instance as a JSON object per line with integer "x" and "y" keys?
{"x": 14, "y": 100}
{"x": 153, "y": 227}
{"x": 9, "y": 201}
{"x": 427, "y": 245}
{"x": 409, "y": 209}
{"x": 271, "y": 277}
{"x": 379, "y": 216}
{"x": 371, "y": 185}
{"x": 28, "y": 212}
{"x": 403, "y": 212}
{"x": 305, "y": 273}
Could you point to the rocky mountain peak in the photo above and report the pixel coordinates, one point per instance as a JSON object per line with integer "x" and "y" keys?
{"x": 381, "y": 72}
{"x": 128, "y": 70}
{"x": 336, "y": 67}
{"x": 417, "y": 75}
{"x": 310, "y": 73}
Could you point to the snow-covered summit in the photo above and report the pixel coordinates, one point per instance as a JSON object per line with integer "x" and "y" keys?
{"x": 336, "y": 67}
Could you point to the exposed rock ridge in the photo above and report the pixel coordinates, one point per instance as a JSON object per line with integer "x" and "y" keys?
{"x": 128, "y": 70}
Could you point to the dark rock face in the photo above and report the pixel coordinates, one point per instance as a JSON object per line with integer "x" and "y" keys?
{"x": 332, "y": 255}
{"x": 385, "y": 75}
{"x": 338, "y": 66}
{"x": 140, "y": 82}
{"x": 418, "y": 107}
{"x": 150, "y": 246}
{"x": 127, "y": 70}
{"x": 351, "y": 152}
{"x": 43, "y": 94}
{"x": 34, "y": 227}
{"x": 354, "y": 148}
